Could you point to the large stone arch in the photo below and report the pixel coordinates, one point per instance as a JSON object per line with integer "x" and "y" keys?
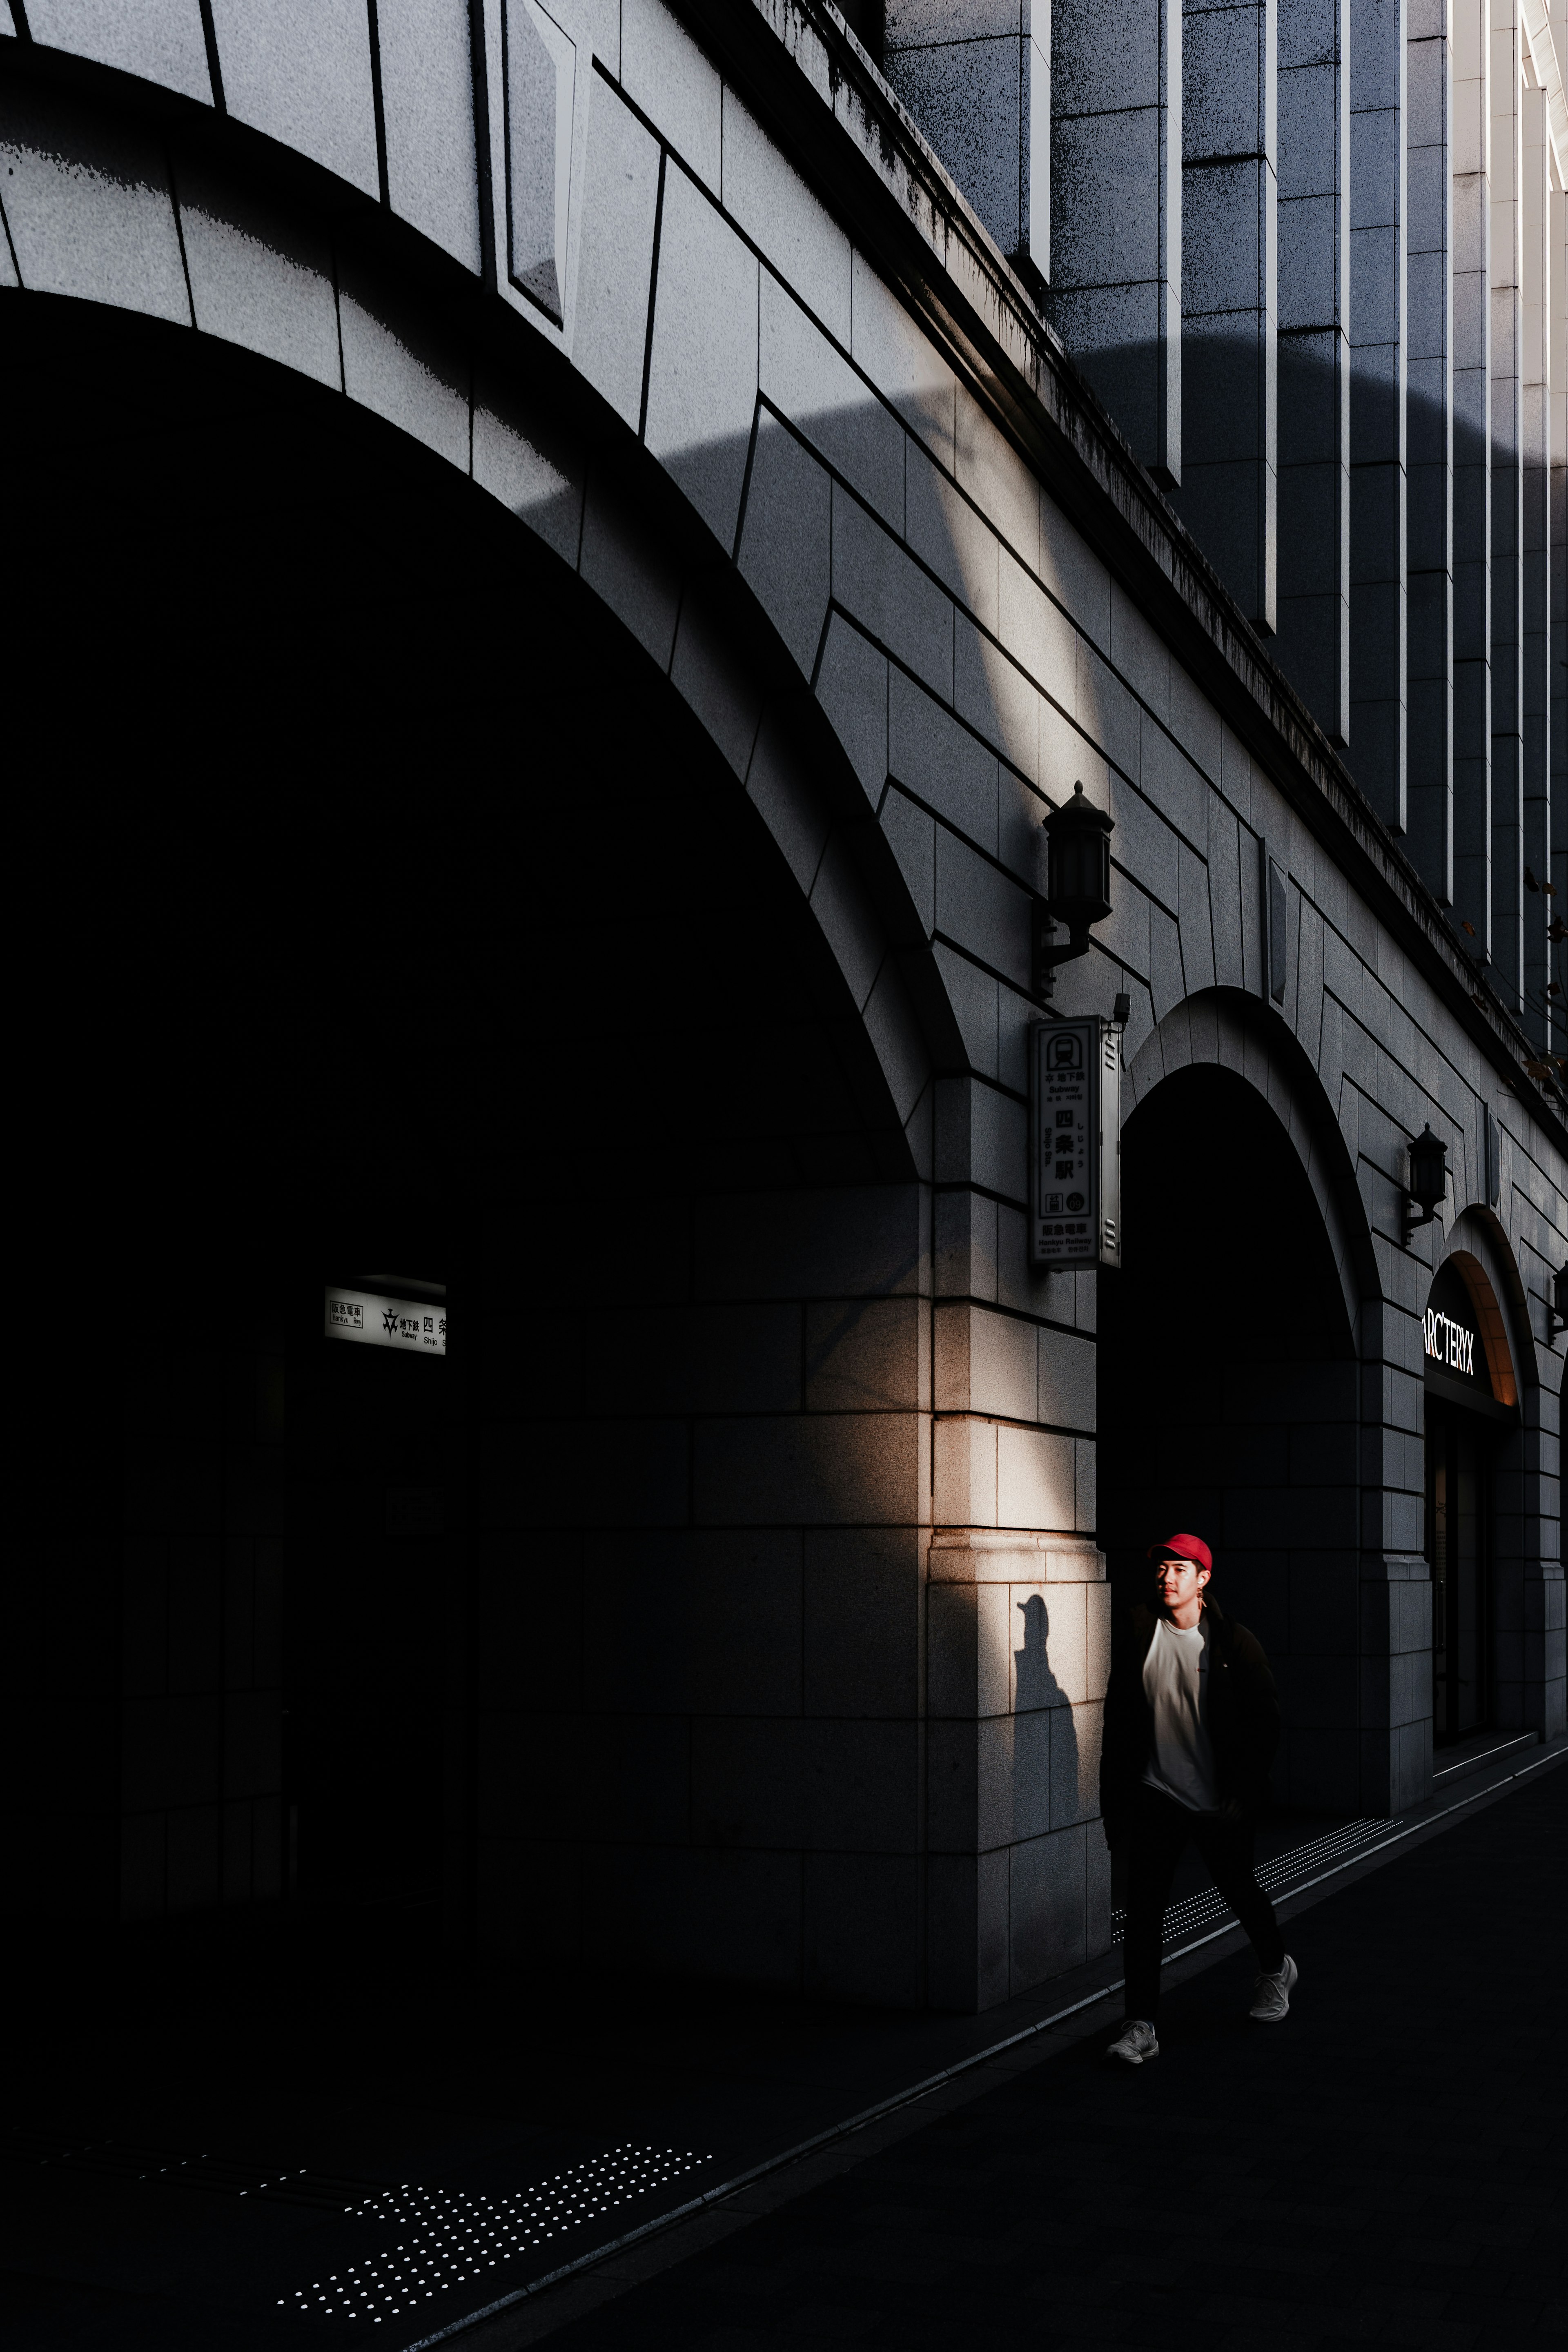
{"x": 1231, "y": 1030}
{"x": 1491, "y": 1273}
{"x": 1527, "y": 1692}
{"x": 1233, "y": 1346}
{"x": 261, "y": 229}
{"x": 186, "y": 226}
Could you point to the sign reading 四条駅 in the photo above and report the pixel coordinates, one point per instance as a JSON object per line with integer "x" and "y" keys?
{"x": 1075, "y": 1143}
{"x": 416, "y": 1324}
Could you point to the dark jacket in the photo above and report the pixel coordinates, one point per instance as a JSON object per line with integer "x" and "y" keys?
{"x": 1242, "y": 1707}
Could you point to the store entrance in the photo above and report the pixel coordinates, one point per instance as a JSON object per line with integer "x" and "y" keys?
{"x": 1458, "y": 1545}
{"x": 1471, "y": 1401}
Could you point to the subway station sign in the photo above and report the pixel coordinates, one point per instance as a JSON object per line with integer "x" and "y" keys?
{"x": 417, "y": 1325}
{"x": 1075, "y": 1143}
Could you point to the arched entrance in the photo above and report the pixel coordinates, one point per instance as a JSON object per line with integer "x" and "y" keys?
{"x": 1229, "y": 1396}
{"x": 393, "y": 914}
{"x": 1471, "y": 1407}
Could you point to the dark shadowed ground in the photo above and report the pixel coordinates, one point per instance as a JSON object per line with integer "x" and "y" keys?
{"x": 1387, "y": 2168}
{"x": 232, "y": 2141}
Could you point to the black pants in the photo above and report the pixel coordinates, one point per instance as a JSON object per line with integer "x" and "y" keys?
{"x": 1157, "y": 1831}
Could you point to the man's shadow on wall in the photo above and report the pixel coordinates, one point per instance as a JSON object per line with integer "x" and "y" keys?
{"x": 1045, "y": 1737}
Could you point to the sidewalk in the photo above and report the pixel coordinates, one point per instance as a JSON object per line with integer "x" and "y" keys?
{"x": 1385, "y": 2168}
{"x": 211, "y": 2145}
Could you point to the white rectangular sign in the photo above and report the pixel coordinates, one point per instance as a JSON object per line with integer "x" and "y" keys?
{"x": 417, "y": 1323}
{"x": 1075, "y": 1143}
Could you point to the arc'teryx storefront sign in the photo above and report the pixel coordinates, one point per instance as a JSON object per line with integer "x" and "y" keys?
{"x": 1451, "y": 1333}
{"x": 1075, "y": 1143}
{"x": 1467, "y": 1354}
{"x": 1450, "y": 1344}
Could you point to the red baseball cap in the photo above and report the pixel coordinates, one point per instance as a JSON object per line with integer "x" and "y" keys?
{"x": 1191, "y": 1548}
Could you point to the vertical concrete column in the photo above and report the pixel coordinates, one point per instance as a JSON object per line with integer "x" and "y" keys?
{"x": 1116, "y": 212}
{"x": 1017, "y": 1657}
{"x": 1229, "y": 493}
{"x": 1471, "y": 227}
{"x": 1529, "y": 1668}
{"x": 1313, "y": 620}
{"x": 1377, "y": 743}
{"x": 1017, "y": 1608}
{"x": 1557, "y": 411}
{"x": 1395, "y": 1632}
{"x": 1507, "y": 505}
{"x": 1429, "y": 447}
{"x": 1541, "y": 285}
{"x": 977, "y": 76}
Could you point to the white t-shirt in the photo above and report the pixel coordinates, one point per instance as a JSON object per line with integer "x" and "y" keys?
{"x": 1181, "y": 1765}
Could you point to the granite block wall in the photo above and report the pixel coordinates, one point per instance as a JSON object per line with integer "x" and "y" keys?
{"x": 143, "y": 1773}
{"x": 201, "y": 1606}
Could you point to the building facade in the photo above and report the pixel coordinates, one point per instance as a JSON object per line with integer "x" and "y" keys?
{"x": 563, "y": 554}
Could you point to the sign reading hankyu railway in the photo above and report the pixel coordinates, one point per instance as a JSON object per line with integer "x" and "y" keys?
{"x": 419, "y": 1324}
{"x": 1075, "y": 1143}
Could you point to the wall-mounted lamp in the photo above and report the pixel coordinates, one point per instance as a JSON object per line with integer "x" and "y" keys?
{"x": 1428, "y": 1179}
{"x": 1557, "y": 1312}
{"x": 1078, "y": 888}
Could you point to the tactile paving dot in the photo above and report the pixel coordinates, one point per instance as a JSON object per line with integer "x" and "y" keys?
{"x": 450, "y": 2237}
{"x": 1275, "y": 1878}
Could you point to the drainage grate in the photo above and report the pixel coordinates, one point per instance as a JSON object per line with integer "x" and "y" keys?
{"x": 1278, "y": 1876}
{"x": 451, "y": 2238}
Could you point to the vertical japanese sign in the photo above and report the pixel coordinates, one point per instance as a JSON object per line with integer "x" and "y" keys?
{"x": 419, "y": 1324}
{"x": 1075, "y": 1143}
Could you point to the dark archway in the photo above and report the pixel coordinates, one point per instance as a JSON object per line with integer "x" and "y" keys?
{"x": 1227, "y": 1400}
{"x": 389, "y": 908}
{"x": 309, "y": 726}
{"x": 1516, "y": 1445}
{"x": 1472, "y": 1422}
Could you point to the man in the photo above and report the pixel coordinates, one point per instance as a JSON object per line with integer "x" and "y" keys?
{"x": 1192, "y": 1723}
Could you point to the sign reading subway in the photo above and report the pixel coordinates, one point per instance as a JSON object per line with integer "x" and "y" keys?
{"x": 378, "y": 1319}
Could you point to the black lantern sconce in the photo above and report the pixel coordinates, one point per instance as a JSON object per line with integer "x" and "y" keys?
{"x": 1428, "y": 1179}
{"x": 1557, "y": 1313}
{"x": 1078, "y": 888}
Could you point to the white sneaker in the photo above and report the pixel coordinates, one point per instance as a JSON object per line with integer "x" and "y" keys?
{"x": 1271, "y": 1994}
{"x": 1135, "y": 2043}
